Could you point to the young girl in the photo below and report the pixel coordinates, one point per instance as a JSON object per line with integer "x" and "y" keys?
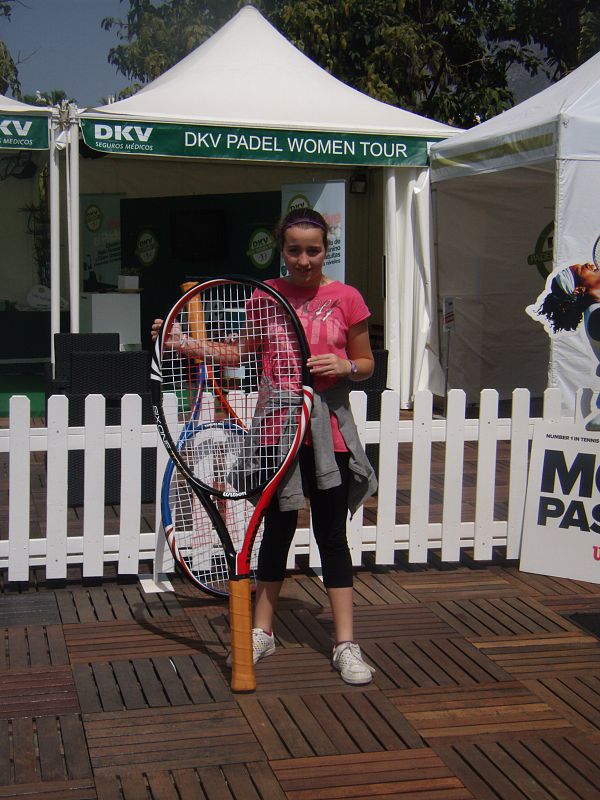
{"x": 332, "y": 468}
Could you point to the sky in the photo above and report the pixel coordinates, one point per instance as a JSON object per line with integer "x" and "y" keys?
{"x": 60, "y": 44}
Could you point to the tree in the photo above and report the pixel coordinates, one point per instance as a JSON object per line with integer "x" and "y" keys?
{"x": 53, "y": 97}
{"x": 445, "y": 59}
{"x": 156, "y": 37}
{"x": 569, "y": 31}
{"x": 9, "y": 76}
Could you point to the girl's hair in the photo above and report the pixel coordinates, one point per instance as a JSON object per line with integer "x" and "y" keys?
{"x": 563, "y": 310}
{"x": 304, "y": 218}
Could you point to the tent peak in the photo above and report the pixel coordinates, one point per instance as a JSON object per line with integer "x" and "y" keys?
{"x": 248, "y": 74}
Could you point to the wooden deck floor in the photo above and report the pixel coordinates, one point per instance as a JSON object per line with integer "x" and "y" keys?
{"x": 485, "y": 688}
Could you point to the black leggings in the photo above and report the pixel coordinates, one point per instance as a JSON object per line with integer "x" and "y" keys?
{"x": 329, "y": 510}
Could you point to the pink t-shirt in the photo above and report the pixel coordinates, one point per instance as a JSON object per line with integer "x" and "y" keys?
{"x": 327, "y": 313}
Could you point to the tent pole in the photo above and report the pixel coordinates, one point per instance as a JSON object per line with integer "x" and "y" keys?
{"x": 54, "y": 178}
{"x": 73, "y": 189}
{"x": 392, "y": 293}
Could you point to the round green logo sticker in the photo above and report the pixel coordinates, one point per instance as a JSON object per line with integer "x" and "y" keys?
{"x": 261, "y": 248}
{"x": 93, "y": 218}
{"x": 298, "y": 201}
{"x": 146, "y": 248}
{"x": 542, "y": 255}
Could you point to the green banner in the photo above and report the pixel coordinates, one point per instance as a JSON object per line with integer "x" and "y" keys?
{"x": 254, "y": 144}
{"x": 22, "y": 132}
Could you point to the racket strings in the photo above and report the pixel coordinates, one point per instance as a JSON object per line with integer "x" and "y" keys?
{"x": 242, "y": 350}
{"x": 199, "y": 546}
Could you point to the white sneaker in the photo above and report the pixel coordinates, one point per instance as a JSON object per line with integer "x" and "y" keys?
{"x": 347, "y": 659}
{"x": 263, "y": 644}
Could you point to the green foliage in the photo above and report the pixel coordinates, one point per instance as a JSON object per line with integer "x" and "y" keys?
{"x": 53, "y": 97}
{"x": 447, "y": 59}
{"x": 9, "y": 77}
{"x": 157, "y": 36}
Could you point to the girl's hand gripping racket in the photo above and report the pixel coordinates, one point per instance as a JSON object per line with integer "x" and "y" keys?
{"x": 248, "y": 328}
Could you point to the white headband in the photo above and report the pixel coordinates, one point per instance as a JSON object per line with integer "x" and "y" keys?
{"x": 566, "y": 280}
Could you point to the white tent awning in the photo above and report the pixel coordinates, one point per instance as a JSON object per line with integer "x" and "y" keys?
{"x": 530, "y": 132}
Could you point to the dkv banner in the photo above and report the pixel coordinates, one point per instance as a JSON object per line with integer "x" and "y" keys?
{"x": 329, "y": 199}
{"x": 561, "y": 525}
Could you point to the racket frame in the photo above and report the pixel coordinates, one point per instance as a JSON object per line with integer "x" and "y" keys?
{"x": 243, "y": 678}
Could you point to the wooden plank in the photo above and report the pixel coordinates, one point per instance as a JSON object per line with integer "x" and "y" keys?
{"x": 453, "y": 475}
{"x": 75, "y": 746}
{"x": 151, "y": 686}
{"x": 110, "y": 697}
{"x": 57, "y": 477}
{"x": 129, "y": 686}
{"x": 55, "y": 790}
{"x": 37, "y": 690}
{"x": 477, "y": 774}
{"x": 465, "y": 714}
{"x": 197, "y": 736}
{"x": 25, "y": 763}
{"x": 37, "y": 608}
{"x": 171, "y": 682}
{"x": 420, "y": 478}
{"x": 19, "y": 476}
{"x": 310, "y": 725}
{"x": 418, "y": 773}
{"x": 49, "y": 744}
{"x": 161, "y": 785}
{"x": 573, "y": 697}
{"x": 99, "y": 602}
{"x": 56, "y": 645}
{"x": 191, "y": 678}
{"x": 398, "y": 621}
{"x": 108, "y": 641}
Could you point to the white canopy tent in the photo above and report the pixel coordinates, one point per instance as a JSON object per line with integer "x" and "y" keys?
{"x": 25, "y": 127}
{"x": 517, "y": 197}
{"x": 249, "y": 95}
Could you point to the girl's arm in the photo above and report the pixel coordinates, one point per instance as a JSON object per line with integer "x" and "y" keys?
{"x": 358, "y": 348}
{"x": 225, "y": 352}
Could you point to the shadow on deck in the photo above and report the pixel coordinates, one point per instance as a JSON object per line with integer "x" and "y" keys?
{"x": 485, "y": 688}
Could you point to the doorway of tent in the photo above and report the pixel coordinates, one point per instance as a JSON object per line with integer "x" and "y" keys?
{"x": 169, "y": 240}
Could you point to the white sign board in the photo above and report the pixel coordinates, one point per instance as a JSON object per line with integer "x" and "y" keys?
{"x": 561, "y": 526}
{"x": 329, "y": 199}
{"x": 101, "y": 237}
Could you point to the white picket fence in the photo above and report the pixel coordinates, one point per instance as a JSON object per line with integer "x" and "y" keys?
{"x": 94, "y": 546}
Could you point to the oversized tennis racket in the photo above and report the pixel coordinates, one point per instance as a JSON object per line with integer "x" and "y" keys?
{"x": 250, "y": 338}
{"x": 596, "y": 252}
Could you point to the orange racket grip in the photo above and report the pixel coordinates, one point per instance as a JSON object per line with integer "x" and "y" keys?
{"x": 240, "y": 621}
{"x": 197, "y": 328}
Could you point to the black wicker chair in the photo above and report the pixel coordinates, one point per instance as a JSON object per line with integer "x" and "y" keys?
{"x": 67, "y": 343}
{"x": 373, "y": 388}
{"x": 376, "y": 384}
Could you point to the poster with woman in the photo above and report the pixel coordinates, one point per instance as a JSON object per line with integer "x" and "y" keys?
{"x": 568, "y": 307}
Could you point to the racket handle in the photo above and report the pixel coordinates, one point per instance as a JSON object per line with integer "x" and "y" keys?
{"x": 240, "y": 620}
